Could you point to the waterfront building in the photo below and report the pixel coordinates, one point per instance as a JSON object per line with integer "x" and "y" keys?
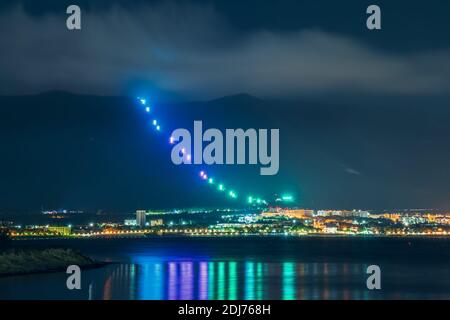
{"x": 141, "y": 217}
{"x": 130, "y": 222}
{"x": 62, "y": 231}
{"x": 156, "y": 222}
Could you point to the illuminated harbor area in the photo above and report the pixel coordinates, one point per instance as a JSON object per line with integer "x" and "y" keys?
{"x": 256, "y": 221}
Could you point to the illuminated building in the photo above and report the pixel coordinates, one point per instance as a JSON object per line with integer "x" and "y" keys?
{"x": 141, "y": 216}
{"x": 360, "y": 213}
{"x": 63, "y": 231}
{"x": 156, "y": 222}
{"x": 330, "y": 228}
{"x": 130, "y": 222}
{"x": 291, "y": 213}
{"x": 395, "y": 217}
{"x": 298, "y": 213}
{"x": 328, "y": 213}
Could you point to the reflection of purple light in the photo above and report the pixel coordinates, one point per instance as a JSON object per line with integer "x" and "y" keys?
{"x": 202, "y": 173}
{"x": 187, "y": 281}
{"x": 205, "y": 177}
{"x": 171, "y": 139}
{"x": 203, "y": 281}
{"x": 183, "y": 150}
{"x": 172, "y": 281}
{"x": 188, "y": 157}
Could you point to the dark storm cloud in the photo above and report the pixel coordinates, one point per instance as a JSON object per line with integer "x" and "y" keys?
{"x": 194, "y": 52}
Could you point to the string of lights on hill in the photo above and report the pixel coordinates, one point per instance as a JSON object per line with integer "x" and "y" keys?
{"x": 203, "y": 174}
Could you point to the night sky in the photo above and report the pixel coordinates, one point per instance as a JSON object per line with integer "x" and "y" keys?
{"x": 363, "y": 115}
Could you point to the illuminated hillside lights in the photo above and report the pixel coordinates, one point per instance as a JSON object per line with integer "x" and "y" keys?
{"x": 230, "y": 147}
{"x": 187, "y": 156}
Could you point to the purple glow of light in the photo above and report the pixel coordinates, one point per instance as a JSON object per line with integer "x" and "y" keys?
{"x": 171, "y": 140}
{"x": 173, "y": 283}
{"x": 187, "y": 281}
{"x": 203, "y": 281}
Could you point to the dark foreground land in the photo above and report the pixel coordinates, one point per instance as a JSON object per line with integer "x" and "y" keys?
{"x": 26, "y": 261}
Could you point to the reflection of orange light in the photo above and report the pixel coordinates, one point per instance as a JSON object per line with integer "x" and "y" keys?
{"x": 107, "y": 289}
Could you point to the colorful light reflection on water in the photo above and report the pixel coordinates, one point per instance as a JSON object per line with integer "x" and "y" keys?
{"x": 225, "y": 280}
{"x": 263, "y": 268}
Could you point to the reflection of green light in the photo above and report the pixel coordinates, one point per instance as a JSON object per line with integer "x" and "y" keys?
{"x": 287, "y": 198}
{"x": 221, "y": 282}
{"x": 232, "y": 281}
{"x": 211, "y": 181}
{"x": 249, "y": 281}
{"x": 221, "y": 187}
{"x": 250, "y": 199}
{"x": 258, "y": 200}
{"x": 211, "y": 295}
{"x": 259, "y": 281}
{"x": 288, "y": 281}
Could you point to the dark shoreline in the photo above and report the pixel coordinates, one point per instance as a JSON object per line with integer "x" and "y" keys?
{"x": 54, "y": 270}
{"x": 34, "y": 261}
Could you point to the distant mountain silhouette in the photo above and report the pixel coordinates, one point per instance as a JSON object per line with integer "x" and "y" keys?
{"x": 239, "y": 97}
{"x": 66, "y": 150}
